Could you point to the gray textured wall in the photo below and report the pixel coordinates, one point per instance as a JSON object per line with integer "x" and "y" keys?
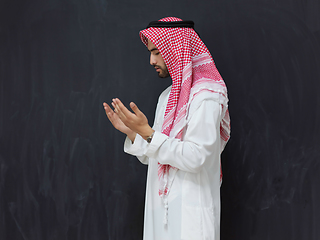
{"x": 63, "y": 173}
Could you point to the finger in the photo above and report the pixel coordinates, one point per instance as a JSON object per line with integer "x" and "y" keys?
{"x": 111, "y": 117}
{"x": 135, "y": 108}
{"x": 118, "y": 111}
{"x": 121, "y": 108}
{"x": 107, "y": 108}
{"x": 114, "y": 106}
{"x": 110, "y": 114}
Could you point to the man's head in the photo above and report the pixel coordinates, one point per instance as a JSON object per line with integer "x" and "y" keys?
{"x": 176, "y": 42}
{"x": 157, "y": 61}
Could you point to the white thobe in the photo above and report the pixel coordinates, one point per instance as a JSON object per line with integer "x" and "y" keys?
{"x": 194, "y": 198}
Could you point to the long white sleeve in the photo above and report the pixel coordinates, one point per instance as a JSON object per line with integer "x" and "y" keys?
{"x": 137, "y": 148}
{"x": 200, "y": 140}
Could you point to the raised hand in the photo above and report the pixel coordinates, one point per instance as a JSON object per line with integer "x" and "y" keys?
{"x": 136, "y": 121}
{"x": 117, "y": 123}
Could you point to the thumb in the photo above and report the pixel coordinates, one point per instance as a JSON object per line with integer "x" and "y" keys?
{"x": 135, "y": 108}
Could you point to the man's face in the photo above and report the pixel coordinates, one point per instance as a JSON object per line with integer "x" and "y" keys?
{"x": 156, "y": 60}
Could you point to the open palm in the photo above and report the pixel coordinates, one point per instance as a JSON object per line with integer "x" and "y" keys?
{"x": 115, "y": 120}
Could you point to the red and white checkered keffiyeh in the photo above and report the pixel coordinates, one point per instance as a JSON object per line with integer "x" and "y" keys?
{"x": 193, "y": 75}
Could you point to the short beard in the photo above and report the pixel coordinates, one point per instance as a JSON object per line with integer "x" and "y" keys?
{"x": 164, "y": 73}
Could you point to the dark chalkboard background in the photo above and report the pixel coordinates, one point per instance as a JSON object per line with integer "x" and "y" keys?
{"x": 63, "y": 173}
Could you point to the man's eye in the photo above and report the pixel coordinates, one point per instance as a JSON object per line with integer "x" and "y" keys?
{"x": 157, "y": 53}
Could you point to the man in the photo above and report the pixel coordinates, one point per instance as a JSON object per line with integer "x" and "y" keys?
{"x": 183, "y": 147}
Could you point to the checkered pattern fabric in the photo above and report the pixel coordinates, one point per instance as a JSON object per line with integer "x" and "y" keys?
{"x": 192, "y": 71}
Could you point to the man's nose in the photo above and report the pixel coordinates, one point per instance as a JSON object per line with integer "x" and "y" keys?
{"x": 152, "y": 60}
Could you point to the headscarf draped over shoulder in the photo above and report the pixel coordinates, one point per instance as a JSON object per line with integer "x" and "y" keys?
{"x": 193, "y": 74}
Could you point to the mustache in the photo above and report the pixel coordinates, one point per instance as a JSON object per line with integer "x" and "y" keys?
{"x": 156, "y": 66}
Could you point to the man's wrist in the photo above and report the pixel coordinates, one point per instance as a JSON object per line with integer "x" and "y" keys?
{"x": 147, "y": 133}
{"x": 132, "y": 136}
